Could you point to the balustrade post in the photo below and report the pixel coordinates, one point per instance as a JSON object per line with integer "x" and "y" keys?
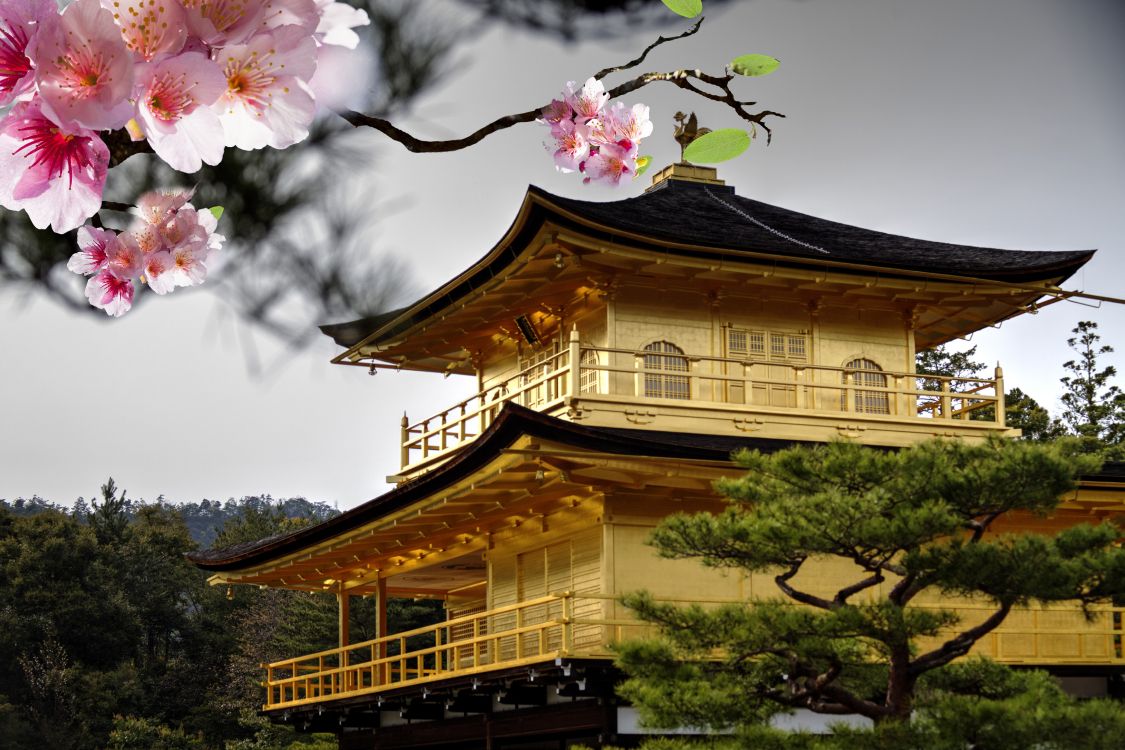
{"x": 405, "y": 449}
{"x": 946, "y": 401}
{"x": 574, "y": 355}
{"x": 638, "y": 378}
{"x": 519, "y": 635}
{"x": 567, "y": 627}
{"x": 800, "y": 376}
{"x": 1001, "y": 407}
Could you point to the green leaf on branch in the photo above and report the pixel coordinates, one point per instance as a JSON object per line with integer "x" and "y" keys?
{"x": 216, "y": 211}
{"x": 685, "y": 8}
{"x": 643, "y": 163}
{"x": 754, "y": 65}
{"x": 717, "y": 146}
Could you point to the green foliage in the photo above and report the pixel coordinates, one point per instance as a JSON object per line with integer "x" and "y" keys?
{"x": 940, "y": 360}
{"x": 685, "y": 8}
{"x": 101, "y": 615}
{"x": 1014, "y": 709}
{"x": 1024, "y": 413}
{"x": 134, "y": 733}
{"x": 716, "y": 146}
{"x": 267, "y": 736}
{"x": 903, "y": 522}
{"x": 1094, "y": 406}
{"x": 754, "y": 65}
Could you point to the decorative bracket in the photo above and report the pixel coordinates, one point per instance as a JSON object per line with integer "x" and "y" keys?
{"x": 748, "y": 424}
{"x": 851, "y": 430}
{"x": 640, "y": 416}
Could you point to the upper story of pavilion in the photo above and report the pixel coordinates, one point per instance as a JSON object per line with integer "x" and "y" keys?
{"x": 693, "y": 309}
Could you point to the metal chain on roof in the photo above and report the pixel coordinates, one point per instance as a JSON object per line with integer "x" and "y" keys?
{"x": 763, "y": 225}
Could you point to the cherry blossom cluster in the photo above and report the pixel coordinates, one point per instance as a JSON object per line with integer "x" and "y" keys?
{"x": 166, "y": 247}
{"x": 190, "y": 77}
{"x": 599, "y": 142}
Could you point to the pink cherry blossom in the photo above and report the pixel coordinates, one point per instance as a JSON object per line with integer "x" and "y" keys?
{"x": 188, "y": 265}
{"x": 158, "y": 206}
{"x": 266, "y": 102}
{"x": 336, "y": 23}
{"x": 173, "y": 107}
{"x": 630, "y": 124}
{"x": 158, "y": 272}
{"x": 56, "y": 174}
{"x": 555, "y": 113}
{"x": 85, "y": 72}
{"x": 610, "y": 164}
{"x": 150, "y": 28}
{"x": 95, "y": 245}
{"x": 588, "y": 101}
{"x": 110, "y": 293}
{"x": 303, "y": 13}
{"x": 223, "y": 22}
{"x": 19, "y": 22}
{"x": 573, "y": 145}
{"x": 125, "y": 258}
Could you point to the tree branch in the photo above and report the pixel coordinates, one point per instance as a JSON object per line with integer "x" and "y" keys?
{"x": 659, "y": 41}
{"x": 843, "y": 594}
{"x": 959, "y": 645}
{"x": 902, "y": 591}
{"x": 980, "y": 527}
{"x": 782, "y": 581}
{"x": 684, "y": 79}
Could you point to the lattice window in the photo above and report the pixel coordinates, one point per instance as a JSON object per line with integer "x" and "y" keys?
{"x": 587, "y": 377}
{"x": 864, "y": 372}
{"x": 775, "y": 346}
{"x": 666, "y": 358}
{"x": 535, "y": 365}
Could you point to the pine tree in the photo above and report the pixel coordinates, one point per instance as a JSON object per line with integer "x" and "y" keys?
{"x": 1095, "y": 406}
{"x": 894, "y": 525}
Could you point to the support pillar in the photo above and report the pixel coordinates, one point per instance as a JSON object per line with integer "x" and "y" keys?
{"x": 343, "y": 599}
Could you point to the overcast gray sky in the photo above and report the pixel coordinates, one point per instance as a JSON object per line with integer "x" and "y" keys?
{"x": 988, "y": 122}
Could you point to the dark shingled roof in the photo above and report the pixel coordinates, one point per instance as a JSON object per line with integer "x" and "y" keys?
{"x": 714, "y": 216}
{"x": 718, "y": 224}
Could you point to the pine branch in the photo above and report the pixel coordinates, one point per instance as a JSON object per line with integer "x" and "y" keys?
{"x": 960, "y": 644}
{"x": 782, "y": 581}
{"x": 843, "y": 594}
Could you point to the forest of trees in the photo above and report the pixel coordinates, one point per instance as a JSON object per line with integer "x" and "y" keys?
{"x": 110, "y": 638}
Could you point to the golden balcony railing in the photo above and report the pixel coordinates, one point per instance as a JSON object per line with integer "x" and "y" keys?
{"x": 585, "y": 625}
{"x": 532, "y": 631}
{"x": 599, "y": 374}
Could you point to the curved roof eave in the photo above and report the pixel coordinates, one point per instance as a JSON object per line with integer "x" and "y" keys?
{"x": 512, "y": 423}
{"x": 707, "y": 233}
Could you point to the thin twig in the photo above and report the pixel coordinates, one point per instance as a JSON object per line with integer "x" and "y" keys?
{"x": 659, "y": 41}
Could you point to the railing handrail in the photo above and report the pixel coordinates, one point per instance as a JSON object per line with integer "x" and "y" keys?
{"x": 480, "y": 399}
{"x": 388, "y": 639}
{"x": 558, "y": 377}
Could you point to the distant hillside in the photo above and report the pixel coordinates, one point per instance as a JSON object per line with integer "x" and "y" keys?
{"x": 204, "y": 518}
